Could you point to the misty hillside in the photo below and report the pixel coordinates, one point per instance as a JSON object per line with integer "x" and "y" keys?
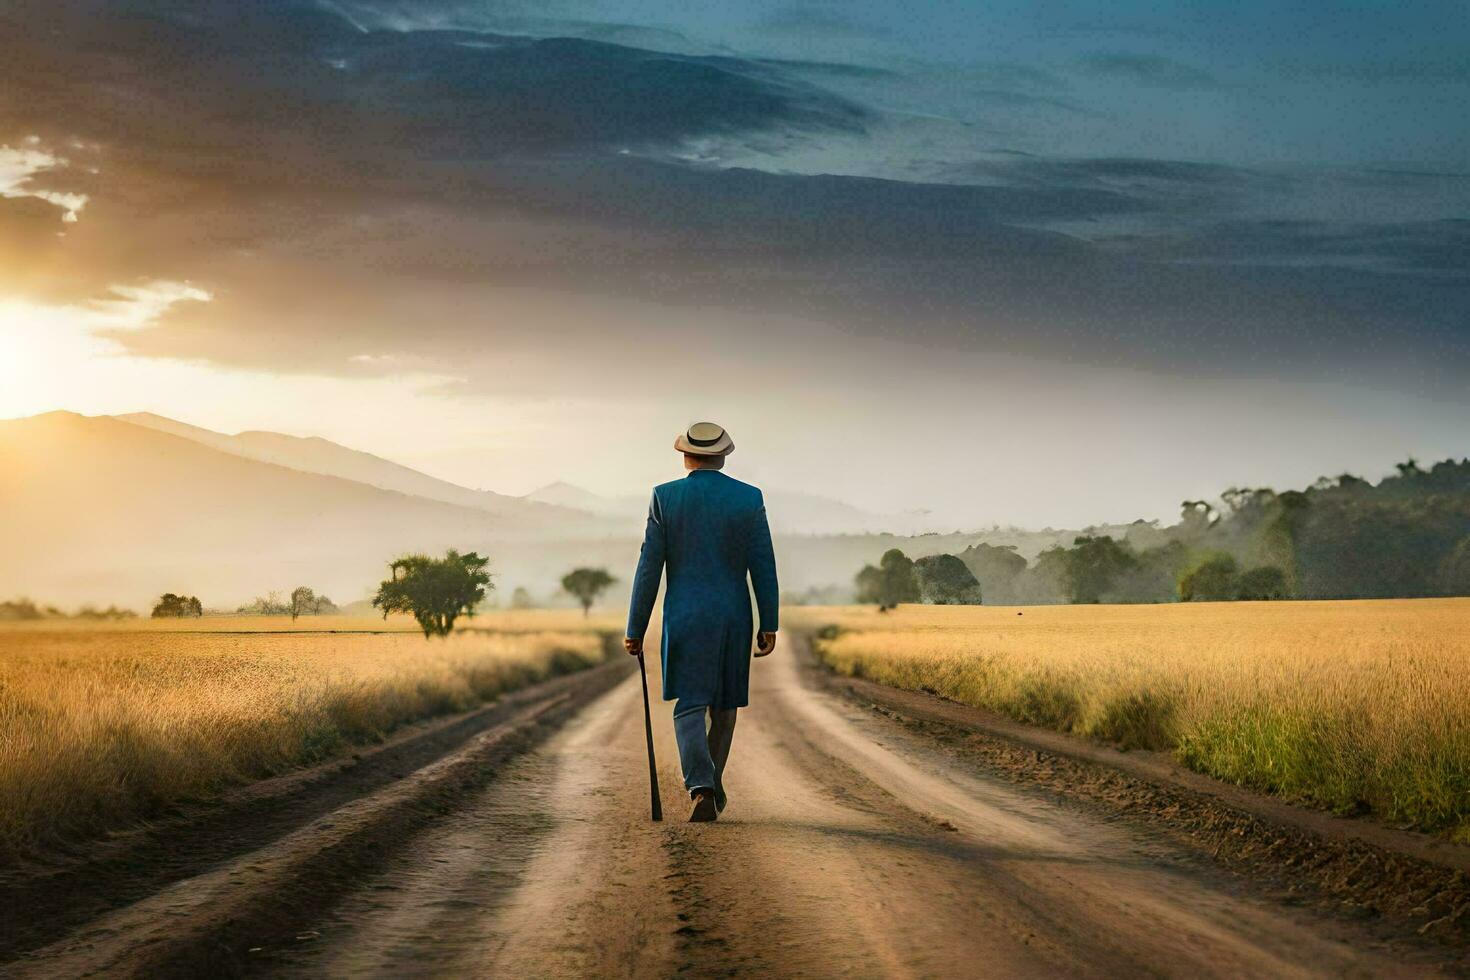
{"x": 101, "y": 510}
{"x": 790, "y": 513}
{"x": 105, "y": 510}
{"x": 317, "y": 455}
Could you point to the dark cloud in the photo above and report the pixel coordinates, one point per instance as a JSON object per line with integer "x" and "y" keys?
{"x": 361, "y": 202}
{"x": 1148, "y": 69}
{"x": 296, "y": 68}
{"x": 1440, "y": 247}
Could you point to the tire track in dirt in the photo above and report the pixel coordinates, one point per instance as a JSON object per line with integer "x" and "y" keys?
{"x": 552, "y": 870}
{"x": 209, "y": 921}
{"x": 39, "y": 905}
{"x": 852, "y": 847}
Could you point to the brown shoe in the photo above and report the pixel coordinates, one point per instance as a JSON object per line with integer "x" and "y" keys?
{"x": 704, "y": 807}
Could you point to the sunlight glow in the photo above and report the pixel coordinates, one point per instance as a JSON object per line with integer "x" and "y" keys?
{"x": 19, "y": 165}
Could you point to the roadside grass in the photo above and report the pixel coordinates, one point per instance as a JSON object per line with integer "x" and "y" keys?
{"x": 103, "y": 727}
{"x": 1356, "y": 707}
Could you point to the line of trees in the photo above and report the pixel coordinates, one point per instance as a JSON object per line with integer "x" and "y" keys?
{"x": 1342, "y": 537}
{"x": 302, "y": 601}
{"x": 25, "y": 610}
{"x": 938, "y": 579}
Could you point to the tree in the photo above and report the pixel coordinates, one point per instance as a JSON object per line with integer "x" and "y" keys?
{"x": 1197, "y": 517}
{"x": 1454, "y": 571}
{"x": 1092, "y": 564}
{"x": 20, "y": 609}
{"x": 892, "y": 582}
{"x": 869, "y": 585}
{"x": 1262, "y": 582}
{"x": 170, "y": 606}
{"x": 996, "y": 568}
{"x": 303, "y": 600}
{"x": 586, "y": 584}
{"x": 436, "y": 591}
{"x": 521, "y": 599}
{"x": 945, "y": 581}
{"x": 1211, "y": 579}
{"x": 1154, "y": 576}
{"x": 270, "y": 604}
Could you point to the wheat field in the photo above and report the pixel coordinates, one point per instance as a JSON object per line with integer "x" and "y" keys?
{"x": 1360, "y": 706}
{"x": 105, "y": 725}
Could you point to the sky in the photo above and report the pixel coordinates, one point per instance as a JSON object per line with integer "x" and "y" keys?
{"x": 1036, "y": 263}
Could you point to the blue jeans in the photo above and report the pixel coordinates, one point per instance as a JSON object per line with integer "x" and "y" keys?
{"x": 703, "y": 751}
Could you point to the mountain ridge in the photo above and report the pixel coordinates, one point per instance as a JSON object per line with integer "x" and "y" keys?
{"x": 314, "y": 454}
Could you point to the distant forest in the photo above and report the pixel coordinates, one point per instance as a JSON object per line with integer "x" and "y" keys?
{"x": 1342, "y": 538}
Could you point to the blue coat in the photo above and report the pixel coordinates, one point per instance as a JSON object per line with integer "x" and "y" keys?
{"x": 708, "y": 530}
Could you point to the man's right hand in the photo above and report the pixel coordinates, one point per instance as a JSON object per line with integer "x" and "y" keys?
{"x": 633, "y": 646}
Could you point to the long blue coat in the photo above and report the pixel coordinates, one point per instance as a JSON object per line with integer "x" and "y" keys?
{"x": 709, "y": 531}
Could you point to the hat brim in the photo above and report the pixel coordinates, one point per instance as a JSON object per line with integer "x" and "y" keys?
{"x": 724, "y": 447}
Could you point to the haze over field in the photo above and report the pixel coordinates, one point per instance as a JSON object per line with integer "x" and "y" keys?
{"x": 1043, "y": 265}
{"x": 101, "y": 510}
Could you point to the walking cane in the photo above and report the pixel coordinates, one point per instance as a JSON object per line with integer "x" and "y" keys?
{"x": 658, "y": 808}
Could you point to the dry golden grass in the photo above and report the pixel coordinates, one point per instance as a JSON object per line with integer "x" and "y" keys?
{"x": 1355, "y": 706}
{"x": 495, "y": 620}
{"x": 103, "y": 725}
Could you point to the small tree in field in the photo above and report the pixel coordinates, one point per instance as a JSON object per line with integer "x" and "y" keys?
{"x": 944, "y": 580}
{"x": 586, "y": 584}
{"x": 303, "y": 600}
{"x": 172, "y": 606}
{"x": 1092, "y": 564}
{"x": 436, "y": 591}
{"x": 892, "y": 582}
{"x": 1212, "y": 579}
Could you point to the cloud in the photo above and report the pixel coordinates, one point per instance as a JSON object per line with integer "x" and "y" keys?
{"x": 19, "y": 170}
{"x": 457, "y": 203}
{"x": 135, "y": 306}
{"x": 1439, "y": 247}
{"x": 1149, "y": 70}
{"x": 821, "y": 21}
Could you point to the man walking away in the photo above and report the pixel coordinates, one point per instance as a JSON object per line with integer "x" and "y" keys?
{"x": 709, "y": 531}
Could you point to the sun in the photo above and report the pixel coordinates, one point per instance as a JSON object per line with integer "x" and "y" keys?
{"x": 40, "y": 346}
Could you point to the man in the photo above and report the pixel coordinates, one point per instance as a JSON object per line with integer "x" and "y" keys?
{"x": 709, "y": 531}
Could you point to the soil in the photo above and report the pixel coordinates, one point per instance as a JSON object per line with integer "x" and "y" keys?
{"x": 857, "y": 842}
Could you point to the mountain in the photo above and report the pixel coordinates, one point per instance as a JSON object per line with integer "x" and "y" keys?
{"x": 790, "y": 513}
{"x": 95, "y": 509}
{"x": 109, "y": 510}
{"x": 561, "y": 494}
{"x": 316, "y": 455}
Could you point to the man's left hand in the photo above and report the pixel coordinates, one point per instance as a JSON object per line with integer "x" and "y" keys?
{"x": 633, "y": 646}
{"x": 765, "y": 643}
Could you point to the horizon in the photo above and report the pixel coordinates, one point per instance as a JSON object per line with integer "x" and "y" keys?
{"x": 974, "y": 525}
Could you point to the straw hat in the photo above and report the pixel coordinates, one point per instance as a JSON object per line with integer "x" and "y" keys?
{"x": 705, "y": 439}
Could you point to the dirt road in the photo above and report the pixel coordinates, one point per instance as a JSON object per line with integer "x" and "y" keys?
{"x": 851, "y": 847}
